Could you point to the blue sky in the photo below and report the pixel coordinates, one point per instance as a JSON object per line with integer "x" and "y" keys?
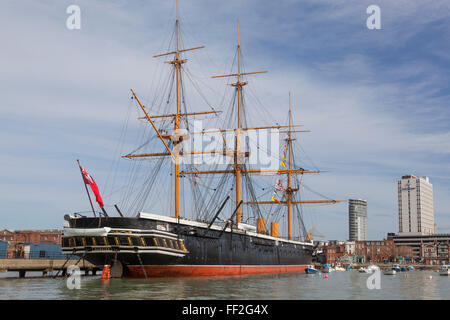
{"x": 376, "y": 101}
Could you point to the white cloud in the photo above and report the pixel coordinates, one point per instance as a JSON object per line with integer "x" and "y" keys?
{"x": 72, "y": 89}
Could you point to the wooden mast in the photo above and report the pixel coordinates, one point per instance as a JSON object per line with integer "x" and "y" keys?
{"x": 289, "y": 189}
{"x": 289, "y": 171}
{"x": 237, "y": 155}
{"x": 237, "y": 165}
{"x": 177, "y": 63}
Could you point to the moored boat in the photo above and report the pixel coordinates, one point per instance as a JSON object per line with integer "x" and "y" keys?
{"x": 338, "y": 267}
{"x": 311, "y": 270}
{"x": 370, "y": 269}
{"x": 396, "y": 267}
{"x": 444, "y": 270}
{"x": 389, "y": 271}
{"x": 327, "y": 268}
{"x": 373, "y": 268}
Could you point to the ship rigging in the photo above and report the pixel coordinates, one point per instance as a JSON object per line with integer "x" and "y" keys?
{"x": 179, "y": 245}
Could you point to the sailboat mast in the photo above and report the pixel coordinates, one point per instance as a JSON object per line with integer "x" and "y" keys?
{"x": 238, "y": 132}
{"x": 238, "y": 155}
{"x": 289, "y": 189}
{"x": 176, "y": 136}
{"x": 177, "y": 64}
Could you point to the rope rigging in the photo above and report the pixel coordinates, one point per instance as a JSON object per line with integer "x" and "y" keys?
{"x": 149, "y": 182}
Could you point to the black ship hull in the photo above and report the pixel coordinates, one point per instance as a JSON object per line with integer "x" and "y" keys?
{"x": 153, "y": 245}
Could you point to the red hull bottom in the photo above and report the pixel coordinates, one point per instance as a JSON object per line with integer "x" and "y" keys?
{"x": 195, "y": 270}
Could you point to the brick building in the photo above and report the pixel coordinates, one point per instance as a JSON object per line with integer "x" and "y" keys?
{"x": 6, "y": 235}
{"x": 32, "y": 236}
{"x": 333, "y": 252}
{"x": 375, "y": 251}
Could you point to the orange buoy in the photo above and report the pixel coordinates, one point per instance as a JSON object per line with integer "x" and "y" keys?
{"x": 106, "y": 274}
{"x": 326, "y": 276}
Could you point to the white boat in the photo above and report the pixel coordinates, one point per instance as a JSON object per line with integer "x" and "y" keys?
{"x": 310, "y": 270}
{"x": 389, "y": 272}
{"x": 363, "y": 270}
{"x": 373, "y": 268}
{"x": 327, "y": 268}
{"x": 338, "y": 267}
{"x": 396, "y": 267}
{"x": 370, "y": 269}
{"x": 444, "y": 270}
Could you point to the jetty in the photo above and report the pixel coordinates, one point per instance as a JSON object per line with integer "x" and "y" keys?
{"x": 46, "y": 266}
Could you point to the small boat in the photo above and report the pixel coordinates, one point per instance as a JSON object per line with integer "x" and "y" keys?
{"x": 373, "y": 268}
{"x": 338, "y": 267}
{"x": 310, "y": 270}
{"x": 444, "y": 270}
{"x": 403, "y": 269}
{"x": 410, "y": 268}
{"x": 363, "y": 270}
{"x": 396, "y": 267}
{"x": 327, "y": 268}
{"x": 349, "y": 268}
{"x": 389, "y": 272}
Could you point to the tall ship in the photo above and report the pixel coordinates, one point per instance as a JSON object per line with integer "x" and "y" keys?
{"x": 204, "y": 212}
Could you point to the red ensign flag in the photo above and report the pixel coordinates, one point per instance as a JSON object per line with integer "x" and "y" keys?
{"x": 90, "y": 181}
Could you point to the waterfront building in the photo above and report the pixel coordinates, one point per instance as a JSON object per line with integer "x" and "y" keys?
{"x": 415, "y": 206}
{"x": 333, "y": 252}
{"x": 376, "y": 251}
{"x": 6, "y": 235}
{"x": 428, "y": 249}
{"x": 357, "y": 218}
{"x": 350, "y": 247}
{"x": 31, "y": 236}
{"x": 3, "y": 247}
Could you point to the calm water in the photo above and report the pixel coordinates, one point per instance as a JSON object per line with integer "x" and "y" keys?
{"x": 339, "y": 285}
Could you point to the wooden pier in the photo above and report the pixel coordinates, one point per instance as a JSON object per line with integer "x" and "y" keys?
{"x": 45, "y": 266}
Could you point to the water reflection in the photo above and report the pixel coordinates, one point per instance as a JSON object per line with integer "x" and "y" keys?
{"x": 296, "y": 286}
{"x": 428, "y": 284}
